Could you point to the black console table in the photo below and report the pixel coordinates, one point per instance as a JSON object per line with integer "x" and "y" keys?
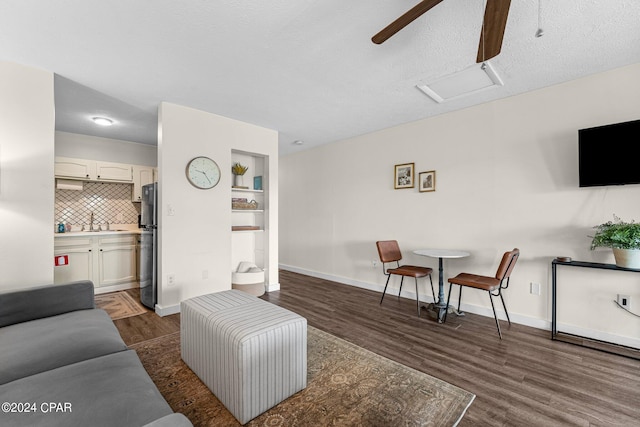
{"x": 577, "y": 339}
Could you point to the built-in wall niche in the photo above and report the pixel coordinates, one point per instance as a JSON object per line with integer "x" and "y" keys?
{"x": 109, "y": 202}
{"x": 250, "y": 226}
{"x": 256, "y": 169}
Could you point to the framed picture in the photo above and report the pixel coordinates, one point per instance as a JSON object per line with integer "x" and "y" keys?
{"x": 427, "y": 181}
{"x": 404, "y": 176}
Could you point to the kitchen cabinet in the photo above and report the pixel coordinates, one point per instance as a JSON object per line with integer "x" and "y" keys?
{"x": 80, "y": 259}
{"x": 107, "y": 171}
{"x": 116, "y": 260}
{"x": 138, "y": 245}
{"x": 142, "y": 175}
{"x": 92, "y": 170}
{"x": 66, "y": 167}
{"x": 108, "y": 260}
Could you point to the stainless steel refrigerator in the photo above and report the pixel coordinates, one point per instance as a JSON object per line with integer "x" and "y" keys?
{"x": 148, "y": 246}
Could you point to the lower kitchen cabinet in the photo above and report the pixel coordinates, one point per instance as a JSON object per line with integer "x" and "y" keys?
{"x": 116, "y": 261}
{"x": 108, "y": 260}
{"x": 79, "y": 252}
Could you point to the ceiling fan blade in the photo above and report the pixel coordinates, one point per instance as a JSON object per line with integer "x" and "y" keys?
{"x": 493, "y": 26}
{"x": 410, "y": 16}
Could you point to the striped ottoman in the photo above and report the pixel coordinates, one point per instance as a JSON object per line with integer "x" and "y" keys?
{"x": 250, "y": 353}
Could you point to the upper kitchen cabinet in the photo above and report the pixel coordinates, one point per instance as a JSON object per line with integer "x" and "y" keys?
{"x": 92, "y": 170}
{"x": 106, "y": 171}
{"x": 142, "y": 175}
{"x": 66, "y": 167}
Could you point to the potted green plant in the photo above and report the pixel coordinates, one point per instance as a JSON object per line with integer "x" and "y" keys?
{"x": 238, "y": 171}
{"x": 623, "y": 237}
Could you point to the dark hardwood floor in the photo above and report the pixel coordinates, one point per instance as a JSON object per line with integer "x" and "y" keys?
{"x": 146, "y": 326}
{"x": 525, "y": 379}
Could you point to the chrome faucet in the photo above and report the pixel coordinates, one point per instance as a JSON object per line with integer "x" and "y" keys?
{"x": 91, "y": 222}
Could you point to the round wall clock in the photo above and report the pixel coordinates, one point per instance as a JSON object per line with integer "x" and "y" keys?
{"x": 203, "y": 173}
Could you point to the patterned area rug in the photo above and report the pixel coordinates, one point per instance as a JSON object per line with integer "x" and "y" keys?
{"x": 347, "y": 386}
{"x": 119, "y": 305}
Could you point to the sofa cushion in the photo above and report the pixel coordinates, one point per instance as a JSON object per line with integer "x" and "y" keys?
{"x": 40, "y": 345}
{"x": 112, "y": 390}
{"x": 45, "y": 301}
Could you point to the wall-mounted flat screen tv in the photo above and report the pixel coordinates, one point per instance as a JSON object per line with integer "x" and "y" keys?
{"x": 608, "y": 154}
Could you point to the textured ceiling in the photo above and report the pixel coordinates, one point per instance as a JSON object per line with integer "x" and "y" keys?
{"x": 305, "y": 68}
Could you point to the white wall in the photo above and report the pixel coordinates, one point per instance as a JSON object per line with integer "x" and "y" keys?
{"x": 507, "y": 176}
{"x": 195, "y": 242}
{"x": 105, "y": 149}
{"x": 26, "y": 176}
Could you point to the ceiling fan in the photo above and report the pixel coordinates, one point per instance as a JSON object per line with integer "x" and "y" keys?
{"x": 493, "y": 26}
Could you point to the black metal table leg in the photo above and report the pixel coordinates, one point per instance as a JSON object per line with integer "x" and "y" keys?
{"x": 441, "y": 306}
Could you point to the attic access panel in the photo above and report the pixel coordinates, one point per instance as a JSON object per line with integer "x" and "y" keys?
{"x": 463, "y": 83}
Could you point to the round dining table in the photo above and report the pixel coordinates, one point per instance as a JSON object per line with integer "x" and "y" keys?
{"x": 440, "y": 307}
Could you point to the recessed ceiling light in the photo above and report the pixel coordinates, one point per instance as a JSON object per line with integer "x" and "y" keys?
{"x": 102, "y": 121}
{"x": 298, "y": 142}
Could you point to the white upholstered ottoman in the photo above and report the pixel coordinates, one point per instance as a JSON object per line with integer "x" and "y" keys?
{"x": 250, "y": 353}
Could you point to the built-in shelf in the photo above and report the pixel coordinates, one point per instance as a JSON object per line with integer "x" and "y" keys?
{"x": 246, "y": 190}
{"x": 250, "y": 218}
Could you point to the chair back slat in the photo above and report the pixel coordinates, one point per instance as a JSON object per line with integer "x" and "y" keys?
{"x": 389, "y": 250}
{"x": 506, "y": 265}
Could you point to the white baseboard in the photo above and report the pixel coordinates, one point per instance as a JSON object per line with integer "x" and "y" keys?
{"x": 482, "y": 311}
{"x": 114, "y": 288}
{"x": 166, "y": 311}
{"x": 600, "y": 336}
{"x": 343, "y": 280}
{"x": 173, "y": 309}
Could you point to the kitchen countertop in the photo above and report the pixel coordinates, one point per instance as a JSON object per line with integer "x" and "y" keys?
{"x": 97, "y": 233}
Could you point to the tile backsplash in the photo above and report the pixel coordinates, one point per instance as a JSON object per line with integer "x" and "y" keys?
{"x": 109, "y": 202}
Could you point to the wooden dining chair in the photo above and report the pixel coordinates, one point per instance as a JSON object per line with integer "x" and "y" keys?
{"x": 389, "y": 252}
{"x": 493, "y": 285}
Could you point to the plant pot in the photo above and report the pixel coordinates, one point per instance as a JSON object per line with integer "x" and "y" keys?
{"x": 238, "y": 180}
{"x": 627, "y": 258}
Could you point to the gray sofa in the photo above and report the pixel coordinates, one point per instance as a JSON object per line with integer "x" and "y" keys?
{"x": 63, "y": 363}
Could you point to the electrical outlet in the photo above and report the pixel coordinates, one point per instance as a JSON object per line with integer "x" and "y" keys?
{"x": 171, "y": 279}
{"x": 374, "y": 263}
{"x": 624, "y": 301}
{"x": 170, "y": 210}
{"x": 534, "y": 288}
